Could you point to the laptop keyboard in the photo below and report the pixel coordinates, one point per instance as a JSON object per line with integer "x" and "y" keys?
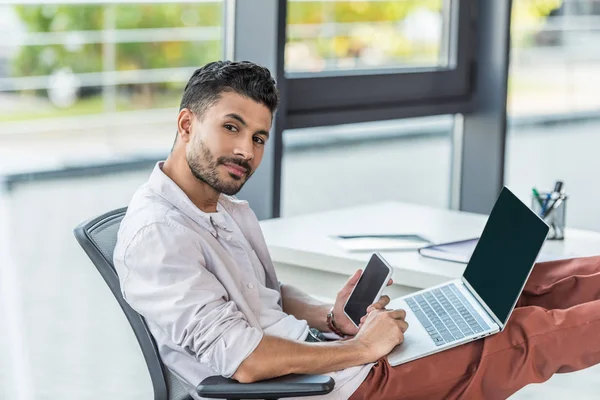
{"x": 446, "y": 314}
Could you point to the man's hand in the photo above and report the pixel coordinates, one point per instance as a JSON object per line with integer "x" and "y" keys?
{"x": 381, "y": 332}
{"x": 341, "y": 320}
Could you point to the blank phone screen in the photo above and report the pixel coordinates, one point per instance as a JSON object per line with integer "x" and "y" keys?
{"x": 371, "y": 280}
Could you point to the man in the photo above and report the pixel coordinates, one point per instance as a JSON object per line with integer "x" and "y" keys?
{"x": 192, "y": 260}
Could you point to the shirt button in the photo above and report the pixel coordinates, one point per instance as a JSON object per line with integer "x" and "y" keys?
{"x": 250, "y": 286}
{"x": 228, "y": 238}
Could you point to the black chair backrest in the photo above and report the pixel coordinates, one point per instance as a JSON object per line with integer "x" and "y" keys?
{"x": 98, "y": 238}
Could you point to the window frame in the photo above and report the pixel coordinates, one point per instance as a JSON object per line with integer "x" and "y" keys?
{"x": 333, "y": 97}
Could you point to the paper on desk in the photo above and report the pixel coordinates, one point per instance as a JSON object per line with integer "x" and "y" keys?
{"x": 398, "y": 242}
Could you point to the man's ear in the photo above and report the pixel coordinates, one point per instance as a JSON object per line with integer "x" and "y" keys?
{"x": 184, "y": 124}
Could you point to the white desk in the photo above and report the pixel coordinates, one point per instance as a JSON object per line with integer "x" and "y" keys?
{"x": 305, "y": 255}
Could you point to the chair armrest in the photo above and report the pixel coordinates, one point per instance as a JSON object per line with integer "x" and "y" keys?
{"x": 285, "y": 386}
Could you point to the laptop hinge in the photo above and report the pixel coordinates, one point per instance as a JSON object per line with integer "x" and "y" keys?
{"x": 482, "y": 303}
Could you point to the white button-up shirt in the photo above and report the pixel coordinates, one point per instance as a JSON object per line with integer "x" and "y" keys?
{"x": 205, "y": 283}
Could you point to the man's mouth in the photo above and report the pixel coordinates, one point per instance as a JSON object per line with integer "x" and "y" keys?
{"x": 236, "y": 170}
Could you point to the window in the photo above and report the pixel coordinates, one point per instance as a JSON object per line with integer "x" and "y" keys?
{"x": 360, "y": 61}
{"x": 555, "y": 57}
{"x": 65, "y": 62}
{"x": 349, "y": 35}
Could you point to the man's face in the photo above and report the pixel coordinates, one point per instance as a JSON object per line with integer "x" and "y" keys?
{"x": 227, "y": 143}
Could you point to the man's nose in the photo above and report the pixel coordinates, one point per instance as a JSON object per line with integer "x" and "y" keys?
{"x": 245, "y": 149}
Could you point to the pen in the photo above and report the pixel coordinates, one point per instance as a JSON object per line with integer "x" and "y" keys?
{"x": 558, "y": 187}
{"x": 554, "y": 206}
{"x": 537, "y": 196}
{"x": 545, "y": 205}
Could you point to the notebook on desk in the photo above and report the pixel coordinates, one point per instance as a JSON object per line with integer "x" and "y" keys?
{"x": 461, "y": 251}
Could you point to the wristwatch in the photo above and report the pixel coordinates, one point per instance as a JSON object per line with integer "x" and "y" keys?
{"x": 332, "y": 326}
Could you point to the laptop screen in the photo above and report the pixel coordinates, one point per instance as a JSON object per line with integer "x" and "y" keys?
{"x": 505, "y": 254}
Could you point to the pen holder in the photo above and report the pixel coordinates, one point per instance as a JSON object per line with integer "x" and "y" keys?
{"x": 553, "y": 212}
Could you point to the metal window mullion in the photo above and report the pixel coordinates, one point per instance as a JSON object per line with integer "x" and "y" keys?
{"x": 109, "y": 59}
{"x": 484, "y": 134}
{"x": 260, "y": 32}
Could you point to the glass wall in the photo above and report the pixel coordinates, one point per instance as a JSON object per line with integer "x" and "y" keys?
{"x": 86, "y": 92}
{"x": 376, "y": 46}
{"x": 554, "y": 106}
{"x": 88, "y": 100}
{"x": 332, "y": 167}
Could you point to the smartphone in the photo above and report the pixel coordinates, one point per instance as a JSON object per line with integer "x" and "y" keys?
{"x": 370, "y": 285}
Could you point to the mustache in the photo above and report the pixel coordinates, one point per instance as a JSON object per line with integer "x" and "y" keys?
{"x": 231, "y": 160}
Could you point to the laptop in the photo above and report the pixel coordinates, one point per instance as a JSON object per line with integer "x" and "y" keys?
{"x": 480, "y": 303}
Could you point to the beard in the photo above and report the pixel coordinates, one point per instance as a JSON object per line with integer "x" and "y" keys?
{"x": 204, "y": 167}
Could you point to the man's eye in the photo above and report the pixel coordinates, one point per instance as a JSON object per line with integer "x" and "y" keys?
{"x": 259, "y": 140}
{"x": 230, "y": 128}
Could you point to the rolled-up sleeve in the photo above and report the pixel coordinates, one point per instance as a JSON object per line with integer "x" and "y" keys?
{"x": 165, "y": 279}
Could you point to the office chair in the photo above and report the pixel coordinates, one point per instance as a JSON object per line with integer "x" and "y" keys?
{"x": 98, "y": 238}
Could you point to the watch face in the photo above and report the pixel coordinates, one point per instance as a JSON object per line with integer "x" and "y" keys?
{"x": 331, "y": 324}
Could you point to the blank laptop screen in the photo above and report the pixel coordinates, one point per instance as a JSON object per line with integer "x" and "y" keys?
{"x": 505, "y": 254}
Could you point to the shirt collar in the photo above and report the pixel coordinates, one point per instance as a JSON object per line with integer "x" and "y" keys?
{"x": 161, "y": 184}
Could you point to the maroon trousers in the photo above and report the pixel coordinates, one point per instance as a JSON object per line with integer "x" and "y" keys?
{"x": 554, "y": 329}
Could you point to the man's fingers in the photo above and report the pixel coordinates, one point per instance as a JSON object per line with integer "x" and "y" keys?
{"x": 398, "y": 314}
{"x": 391, "y": 281}
{"x": 384, "y": 300}
{"x": 350, "y": 283}
{"x": 380, "y": 305}
{"x": 403, "y": 325}
{"x": 375, "y": 306}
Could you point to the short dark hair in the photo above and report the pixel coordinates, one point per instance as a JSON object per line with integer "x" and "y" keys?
{"x": 244, "y": 78}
